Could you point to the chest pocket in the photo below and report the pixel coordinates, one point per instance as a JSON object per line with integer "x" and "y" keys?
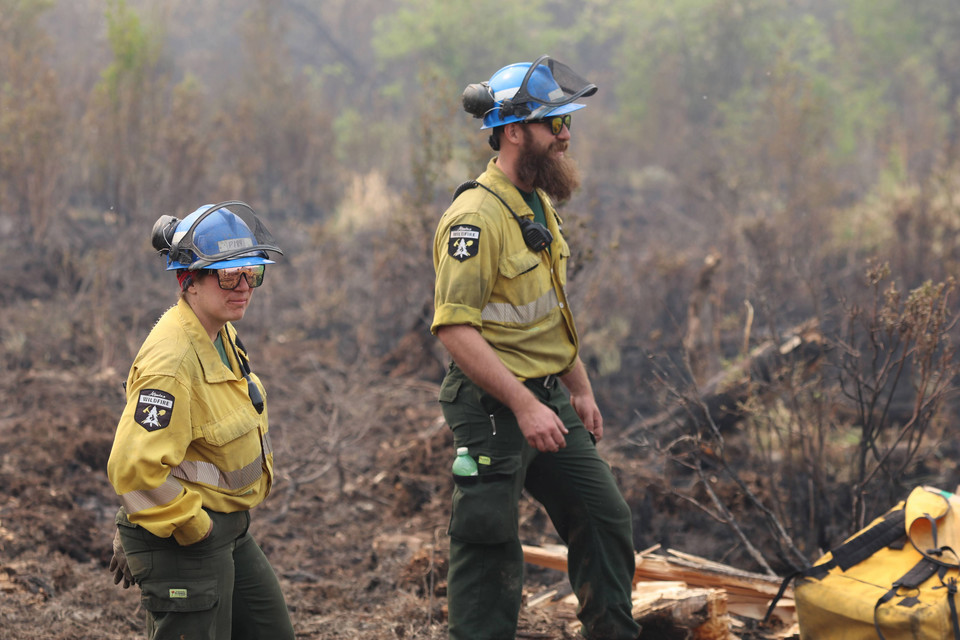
{"x": 518, "y": 264}
{"x": 523, "y": 278}
{"x": 231, "y": 426}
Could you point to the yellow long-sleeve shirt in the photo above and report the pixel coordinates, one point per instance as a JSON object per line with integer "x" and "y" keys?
{"x": 189, "y": 436}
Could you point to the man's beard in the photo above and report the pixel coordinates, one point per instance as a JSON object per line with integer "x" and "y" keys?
{"x": 541, "y": 168}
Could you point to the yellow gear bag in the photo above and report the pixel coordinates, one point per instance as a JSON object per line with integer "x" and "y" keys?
{"x": 896, "y": 579}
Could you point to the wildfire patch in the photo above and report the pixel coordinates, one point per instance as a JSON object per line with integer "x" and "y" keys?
{"x": 464, "y": 242}
{"x": 154, "y": 409}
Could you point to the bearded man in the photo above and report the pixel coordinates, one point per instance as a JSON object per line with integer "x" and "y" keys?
{"x": 501, "y": 310}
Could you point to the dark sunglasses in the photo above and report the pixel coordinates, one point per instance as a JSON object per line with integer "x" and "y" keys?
{"x": 556, "y": 123}
{"x": 230, "y": 278}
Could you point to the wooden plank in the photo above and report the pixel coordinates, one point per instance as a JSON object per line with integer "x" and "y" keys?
{"x": 553, "y": 557}
{"x": 702, "y": 611}
{"x": 663, "y": 604}
{"x": 747, "y": 594}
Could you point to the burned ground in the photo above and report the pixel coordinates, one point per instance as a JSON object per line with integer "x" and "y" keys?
{"x": 357, "y": 537}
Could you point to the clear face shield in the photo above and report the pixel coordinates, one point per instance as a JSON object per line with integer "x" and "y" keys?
{"x": 546, "y": 85}
{"x": 570, "y": 86}
{"x": 185, "y": 248}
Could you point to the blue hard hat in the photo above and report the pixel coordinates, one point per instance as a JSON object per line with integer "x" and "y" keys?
{"x": 530, "y": 91}
{"x": 217, "y": 236}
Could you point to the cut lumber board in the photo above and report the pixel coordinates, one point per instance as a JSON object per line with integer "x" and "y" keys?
{"x": 746, "y": 594}
{"x": 706, "y": 573}
{"x": 552, "y": 557}
{"x": 659, "y": 606}
{"x": 703, "y": 611}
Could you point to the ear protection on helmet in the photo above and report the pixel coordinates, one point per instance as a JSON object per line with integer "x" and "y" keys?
{"x": 477, "y": 99}
{"x": 536, "y": 236}
{"x": 162, "y": 235}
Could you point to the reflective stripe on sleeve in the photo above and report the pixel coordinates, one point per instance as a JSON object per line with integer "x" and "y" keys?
{"x": 199, "y": 472}
{"x": 208, "y": 473}
{"x": 525, "y": 314}
{"x": 135, "y": 501}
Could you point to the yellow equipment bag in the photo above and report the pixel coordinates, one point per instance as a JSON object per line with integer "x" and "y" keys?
{"x": 894, "y": 580}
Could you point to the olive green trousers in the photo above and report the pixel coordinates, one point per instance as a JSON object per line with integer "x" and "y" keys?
{"x": 222, "y": 588}
{"x": 579, "y": 493}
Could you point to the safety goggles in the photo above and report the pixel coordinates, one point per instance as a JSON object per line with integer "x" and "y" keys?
{"x": 556, "y": 123}
{"x": 229, "y": 278}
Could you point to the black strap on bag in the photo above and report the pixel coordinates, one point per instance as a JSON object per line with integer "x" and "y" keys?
{"x": 889, "y": 532}
{"x": 951, "y": 586}
{"x": 783, "y": 587}
{"x": 920, "y": 573}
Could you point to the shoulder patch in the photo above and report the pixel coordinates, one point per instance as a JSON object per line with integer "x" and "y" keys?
{"x": 464, "y": 242}
{"x": 154, "y": 409}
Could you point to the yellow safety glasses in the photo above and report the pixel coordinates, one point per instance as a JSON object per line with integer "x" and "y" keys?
{"x": 556, "y": 123}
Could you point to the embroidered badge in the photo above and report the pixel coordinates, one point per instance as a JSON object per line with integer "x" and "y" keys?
{"x": 178, "y": 593}
{"x": 154, "y": 409}
{"x": 464, "y": 242}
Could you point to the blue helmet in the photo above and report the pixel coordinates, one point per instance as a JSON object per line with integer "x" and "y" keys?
{"x": 216, "y": 236}
{"x": 526, "y": 91}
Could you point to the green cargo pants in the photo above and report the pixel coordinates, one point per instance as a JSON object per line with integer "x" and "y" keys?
{"x": 579, "y": 493}
{"x": 222, "y": 588}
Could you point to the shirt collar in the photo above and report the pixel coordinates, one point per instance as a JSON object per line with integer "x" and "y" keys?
{"x": 213, "y": 369}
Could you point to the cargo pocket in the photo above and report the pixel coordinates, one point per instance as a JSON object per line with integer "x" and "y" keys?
{"x": 485, "y": 507}
{"x": 179, "y": 596}
{"x": 449, "y": 388}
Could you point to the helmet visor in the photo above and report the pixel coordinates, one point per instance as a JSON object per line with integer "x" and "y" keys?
{"x": 261, "y": 242}
{"x": 572, "y": 86}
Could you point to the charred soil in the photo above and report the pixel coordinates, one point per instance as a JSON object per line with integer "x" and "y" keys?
{"x": 355, "y": 526}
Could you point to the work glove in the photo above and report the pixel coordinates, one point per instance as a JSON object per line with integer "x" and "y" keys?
{"x": 118, "y": 564}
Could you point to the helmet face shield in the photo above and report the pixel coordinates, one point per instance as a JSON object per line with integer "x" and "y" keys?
{"x": 526, "y": 91}
{"x": 567, "y": 86}
{"x": 217, "y": 236}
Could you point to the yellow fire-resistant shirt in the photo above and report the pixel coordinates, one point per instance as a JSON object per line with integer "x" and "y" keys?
{"x": 189, "y": 436}
{"x": 488, "y": 278}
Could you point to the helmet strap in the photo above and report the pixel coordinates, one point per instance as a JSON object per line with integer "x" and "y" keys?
{"x": 494, "y": 139}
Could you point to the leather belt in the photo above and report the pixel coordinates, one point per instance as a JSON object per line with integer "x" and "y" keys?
{"x": 547, "y": 382}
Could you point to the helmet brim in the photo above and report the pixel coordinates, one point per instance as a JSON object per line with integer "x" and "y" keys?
{"x": 557, "y": 111}
{"x": 244, "y": 261}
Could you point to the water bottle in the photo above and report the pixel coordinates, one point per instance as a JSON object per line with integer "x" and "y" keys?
{"x": 464, "y": 465}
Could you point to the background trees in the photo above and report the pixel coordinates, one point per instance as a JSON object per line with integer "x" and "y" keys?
{"x": 745, "y": 163}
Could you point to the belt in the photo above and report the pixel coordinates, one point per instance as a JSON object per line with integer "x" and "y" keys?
{"x": 547, "y": 382}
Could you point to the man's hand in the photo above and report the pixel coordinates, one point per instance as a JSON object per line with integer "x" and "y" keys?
{"x": 586, "y": 407}
{"x": 542, "y": 428}
{"x": 118, "y": 564}
{"x": 583, "y": 400}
